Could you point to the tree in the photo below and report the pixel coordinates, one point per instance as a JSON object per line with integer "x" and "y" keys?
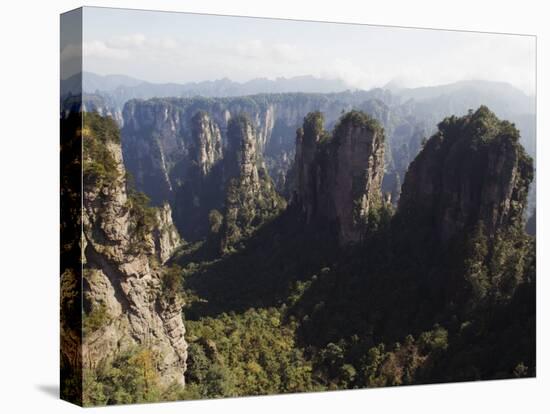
{"x": 172, "y": 282}
{"x": 215, "y": 220}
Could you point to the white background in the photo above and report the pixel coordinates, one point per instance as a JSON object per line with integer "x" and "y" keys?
{"x": 29, "y": 62}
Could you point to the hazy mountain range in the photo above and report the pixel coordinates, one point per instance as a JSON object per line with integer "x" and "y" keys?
{"x": 407, "y": 114}
{"x": 503, "y": 97}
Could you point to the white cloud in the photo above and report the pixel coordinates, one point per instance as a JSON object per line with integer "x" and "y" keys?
{"x": 276, "y": 53}
{"x": 356, "y": 76}
{"x": 127, "y": 41}
{"x": 287, "y": 52}
{"x": 99, "y": 49}
{"x": 361, "y": 59}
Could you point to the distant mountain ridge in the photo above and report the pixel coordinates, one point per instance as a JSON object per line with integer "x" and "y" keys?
{"x": 407, "y": 114}
{"x": 123, "y": 88}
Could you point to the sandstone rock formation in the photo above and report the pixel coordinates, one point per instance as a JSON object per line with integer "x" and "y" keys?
{"x": 160, "y": 143}
{"x": 206, "y": 142}
{"x": 472, "y": 171}
{"x": 339, "y": 176}
{"x": 250, "y": 196}
{"x": 166, "y": 236}
{"x": 160, "y": 135}
{"x": 122, "y": 244}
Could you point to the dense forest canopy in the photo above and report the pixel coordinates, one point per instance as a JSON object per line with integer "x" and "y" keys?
{"x": 438, "y": 287}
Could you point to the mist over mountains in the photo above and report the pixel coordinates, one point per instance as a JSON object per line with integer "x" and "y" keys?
{"x": 123, "y": 88}
{"x": 505, "y": 98}
{"x": 278, "y": 106}
{"x": 292, "y": 223}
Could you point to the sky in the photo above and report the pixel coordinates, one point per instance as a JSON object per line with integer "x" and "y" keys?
{"x": 177, "y": 47}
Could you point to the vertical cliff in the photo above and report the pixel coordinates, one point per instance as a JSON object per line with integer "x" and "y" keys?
{"x": 251, "y": 198}
{"x": 152, "y": 143}
{"x": 339, "y": 175}
{"x": 123, "y": 242}
{"x": 198, "y": 178}
{"x": 472, "y": 171}
{"x": 462, "y": 206}
{"x": 205, "y": 149}
{"x": 160, "y": 135}
{"x": 165, "y": 233}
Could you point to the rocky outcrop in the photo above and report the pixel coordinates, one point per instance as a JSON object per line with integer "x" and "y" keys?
{"x": 166, "y": 236}
{"x": 200, "y": 182}
{"x": 339, "y": 175}
{"x": 123, "y": 300}
{"x": 103, "y": 105}
{"x": 165, "y": 140}
{"x": 206, "y": 142}
{"x": 251, "y": 198}
{"x": 157, "y": 133}
{"x": 162, "y": 137}
{"x": 152, "y": 143}
{"x": 472, "y": 171}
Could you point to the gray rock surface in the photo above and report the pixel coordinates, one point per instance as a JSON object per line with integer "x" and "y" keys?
{"x": 339, "y": 175}
{"x": 122, "y": 277}
{"x": 473, "y": 170}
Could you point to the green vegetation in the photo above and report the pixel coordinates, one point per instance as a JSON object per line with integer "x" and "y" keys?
{"x": 131, "y": 377}
{"x": 287, "y": 309}
{"x": 99, "y": 166}
{"x": 252, "y": 353}
{"x": 250, "y": 202}
{"x": 314, "y": 126}
{"x": 358, "y": 119}
{"x": 96, "y": 319}
{"x": 466, "y": 307}
{"x": 215, "y": 220}
{"x": 144, "y": 217}
{"x": 246, "y": 211}
{"x": 172, "y": 282}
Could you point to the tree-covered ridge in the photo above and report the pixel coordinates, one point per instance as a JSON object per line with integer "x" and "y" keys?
{"x": 338, "y": 175}
{"x": 466, "y": 307}
{"x": 132, "y": 330}
{"x": 442, "y": 289}
{"x": 250, "y": 197}
{"x": 99, "y": 166}
{"x": 358, "y": 119}
{"x": 476, "y": 145}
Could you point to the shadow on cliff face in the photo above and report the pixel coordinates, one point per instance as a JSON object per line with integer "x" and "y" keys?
{"x": 262, "y": 273}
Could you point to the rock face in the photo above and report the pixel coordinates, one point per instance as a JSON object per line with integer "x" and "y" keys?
{"x": 103, "y": 105}
{"x": 472, "y": 171}
{"x": 157, "y": 133}
{"x": 250, "y": 196}
{"x": 122, "y": 244}
{"x": 166, "y": 236}
{"x": 206, "y": 143}
{"x": 160, "y": 135}
{"x": 152, "y": 145}
{"x": 339, "y": 177}
{"x": 164, "y": 140}
{"x": 180, "y": 151}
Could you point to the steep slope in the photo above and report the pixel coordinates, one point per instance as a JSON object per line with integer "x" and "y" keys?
{"x": 472, "y": 171}
{"x": 408, "y": 117}
{"x": 339, "y": 177}
{"x": 199, "y": 178}
{"x": 413, "y": 300}
{"x": 159, "y": 134}
{"x": 251, "y": 199}
{"x": 126, "y": 302}
{"x": 445, "y": 289}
